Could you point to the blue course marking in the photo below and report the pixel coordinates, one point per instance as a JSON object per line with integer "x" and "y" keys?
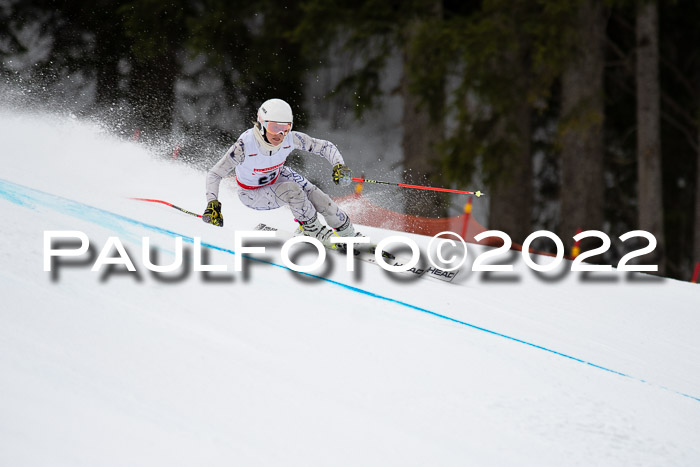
{"x": 29, "y": 197}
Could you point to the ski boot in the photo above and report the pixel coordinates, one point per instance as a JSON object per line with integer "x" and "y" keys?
{"x": 314, "y": 228}
{"x": 347, "y": 230}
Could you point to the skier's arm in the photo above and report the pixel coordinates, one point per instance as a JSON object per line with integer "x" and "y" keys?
{"x": 323, "y": 148}
{"x": 341, "y": 174}
{"x": 234, "y": 156}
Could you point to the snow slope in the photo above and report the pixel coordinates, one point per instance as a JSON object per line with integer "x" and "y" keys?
{"x": 272, "y": 367}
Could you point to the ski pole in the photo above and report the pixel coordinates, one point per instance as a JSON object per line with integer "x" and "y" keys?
{"x": 419, "y": 187}
{"x": 168, "y": 204}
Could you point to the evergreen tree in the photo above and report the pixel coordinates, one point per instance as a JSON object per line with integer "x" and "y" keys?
{"x": 680, "y": 108}
{"x": 157, "y": 33}
{"x": 249, "y": 45}
{"x": 378, "y": 29}
{"x": 124, "y": 49}
{"x": 422, "y": 120}
{"x": 508, "y": 57}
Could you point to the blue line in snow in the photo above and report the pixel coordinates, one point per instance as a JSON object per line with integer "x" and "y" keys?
{"x": 30, "y": 197}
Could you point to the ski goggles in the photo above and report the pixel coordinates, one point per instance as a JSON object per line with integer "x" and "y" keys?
{"x": 277, "y": 127}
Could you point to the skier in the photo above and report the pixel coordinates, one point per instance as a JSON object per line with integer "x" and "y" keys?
{"x": 265, "y": 183}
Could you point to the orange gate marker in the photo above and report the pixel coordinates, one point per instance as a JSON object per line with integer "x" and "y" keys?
{"x": 576, "y": 249}
{"x": 467, "y": 215}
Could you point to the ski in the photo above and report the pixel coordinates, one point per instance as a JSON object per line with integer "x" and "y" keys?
{"x": 366, "y": 253}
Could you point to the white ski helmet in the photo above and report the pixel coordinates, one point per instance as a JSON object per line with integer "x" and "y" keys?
{"x": 274, "y": 111}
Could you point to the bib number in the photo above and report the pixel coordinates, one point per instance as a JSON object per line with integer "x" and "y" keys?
{"x": 265, "y": 179}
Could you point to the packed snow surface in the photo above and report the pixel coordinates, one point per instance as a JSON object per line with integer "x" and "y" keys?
{"x": 270, "y": 367}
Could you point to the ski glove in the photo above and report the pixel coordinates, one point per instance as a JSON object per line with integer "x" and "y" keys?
{"x": 342, "y": 175}
{"x": 212, "y": 214}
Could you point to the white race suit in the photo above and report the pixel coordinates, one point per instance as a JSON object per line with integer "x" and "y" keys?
{"x": 266, "y": 183}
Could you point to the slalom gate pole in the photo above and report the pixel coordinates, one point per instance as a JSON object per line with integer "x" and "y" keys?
{"x": 419, "y": 187}
{"x": 168, "y": 204}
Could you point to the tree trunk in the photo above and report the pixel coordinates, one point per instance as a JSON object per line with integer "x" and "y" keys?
{"x": 696, "y": 242}
{"x": 581, "y": 133}
{"x": 510, "y": 197}
{"x": 421, "y": 134}
{"x": 649, "y": 190}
